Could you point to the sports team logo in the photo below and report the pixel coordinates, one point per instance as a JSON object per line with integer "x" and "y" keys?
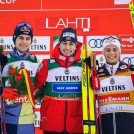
{"x": 66, "y": 71}
{"x": 25, "y": 29}
{"x": 110, "y": 41}
{"x": 112, "y": 81}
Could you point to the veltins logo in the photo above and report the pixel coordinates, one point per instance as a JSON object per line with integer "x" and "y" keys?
{"x": 66, "y": 71}
{"x": 1, "y": 40}
{"x": 112, "y": 81}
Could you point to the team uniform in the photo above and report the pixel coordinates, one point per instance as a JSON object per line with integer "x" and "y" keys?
{"x": 19, "y": 115}
{"x": 116, "y": 99}
{"x": 61, "y": 108}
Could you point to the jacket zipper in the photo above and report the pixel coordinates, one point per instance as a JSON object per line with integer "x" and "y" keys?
{"x": 66, "y": 63}
{"x": 65, "y": 116}
{"x": 65, "y": 107}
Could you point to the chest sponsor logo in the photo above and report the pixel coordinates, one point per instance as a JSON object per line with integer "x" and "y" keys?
{"x": 112, "y": 81}
{"x": 66, "y": 71}
{"x": 66, "y": 88}
{"x": 19, "y": 99}
{"x": 113, "y": 88}
{"x": 22, "y": 65}
{"x": 114, "y": 98}
{"x": 67, "y": 78}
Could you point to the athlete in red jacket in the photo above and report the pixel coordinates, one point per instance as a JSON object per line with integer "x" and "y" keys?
{"x": 61, "y": 108}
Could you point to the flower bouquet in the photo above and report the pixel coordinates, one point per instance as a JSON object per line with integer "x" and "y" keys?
{"x": 20, "y": 79}
{"x": 17, "y": 80}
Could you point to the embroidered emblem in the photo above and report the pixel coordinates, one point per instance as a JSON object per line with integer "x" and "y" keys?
{"x": 66, "y": 71}
{"x": 22, "y": 65}
{"x": 32, "y": 57}
{"x": 101, "y": 70}
{"x": 112, "y": 81}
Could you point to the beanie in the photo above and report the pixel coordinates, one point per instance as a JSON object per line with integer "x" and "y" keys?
{"x": 68, "y": 34}
{"x": 111, "y": 40}
{"x": 22, "y": 28}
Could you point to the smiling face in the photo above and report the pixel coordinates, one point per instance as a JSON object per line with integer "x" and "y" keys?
{"x": 111, "y": 53}
{"x": 23, "y": 42}
{"x": 67, "y": 48}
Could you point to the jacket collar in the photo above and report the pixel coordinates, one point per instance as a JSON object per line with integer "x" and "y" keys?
{"x": 66, "y": 61}
{"x": 15, "y": 52}
{"x": 121, "y": 66}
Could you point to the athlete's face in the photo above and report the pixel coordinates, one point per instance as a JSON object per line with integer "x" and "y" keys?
{"x": 67, "y": 48}
{"x": 111, "y": 53}
{"x": 23, "y": 42}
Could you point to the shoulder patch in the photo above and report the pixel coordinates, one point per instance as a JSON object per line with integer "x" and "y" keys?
{"x": 71, "y": 59}
{"x": 123, "y": 67}
{"x": 32, "y": 57}
{"x": 61, "y": 57}
{"x": 79, "y": 61}
{"x": 8, "y": 56}
{"x": 52, "y": 60}
{"x": 39, "y": 67}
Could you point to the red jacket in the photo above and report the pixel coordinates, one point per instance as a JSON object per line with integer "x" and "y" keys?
{"x": 59, "y": 115}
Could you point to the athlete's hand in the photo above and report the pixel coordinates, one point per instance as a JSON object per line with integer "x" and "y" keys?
{"x": 95, "y": 83}
{"x": 88, "y": 61}
{"x": 9, "y": 93}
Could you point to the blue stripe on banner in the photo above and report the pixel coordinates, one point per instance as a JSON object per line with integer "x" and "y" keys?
{"x": 67, "y": 88}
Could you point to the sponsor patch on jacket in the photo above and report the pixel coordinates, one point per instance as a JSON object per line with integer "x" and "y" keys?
{"x": 102, "y": 74}
{"x": 79, "y": 61}
{"x": 52, "y": 60}
{"x": 8, "y": 56}
{"x": 22, "y": 65}
{"x": 101, "y": 70}
{"x": 32, "y": 57}
{"x": 40, "y": 66}
{"x": 61, "y": 57}
{"x": 123, "y": 67}
{"x": 71, "y": 59}
{"x": 112, "y": 81}
{"x": 66, "y": 88}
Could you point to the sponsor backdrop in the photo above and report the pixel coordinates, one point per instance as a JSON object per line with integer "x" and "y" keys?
{"x": 93, "y": 20}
